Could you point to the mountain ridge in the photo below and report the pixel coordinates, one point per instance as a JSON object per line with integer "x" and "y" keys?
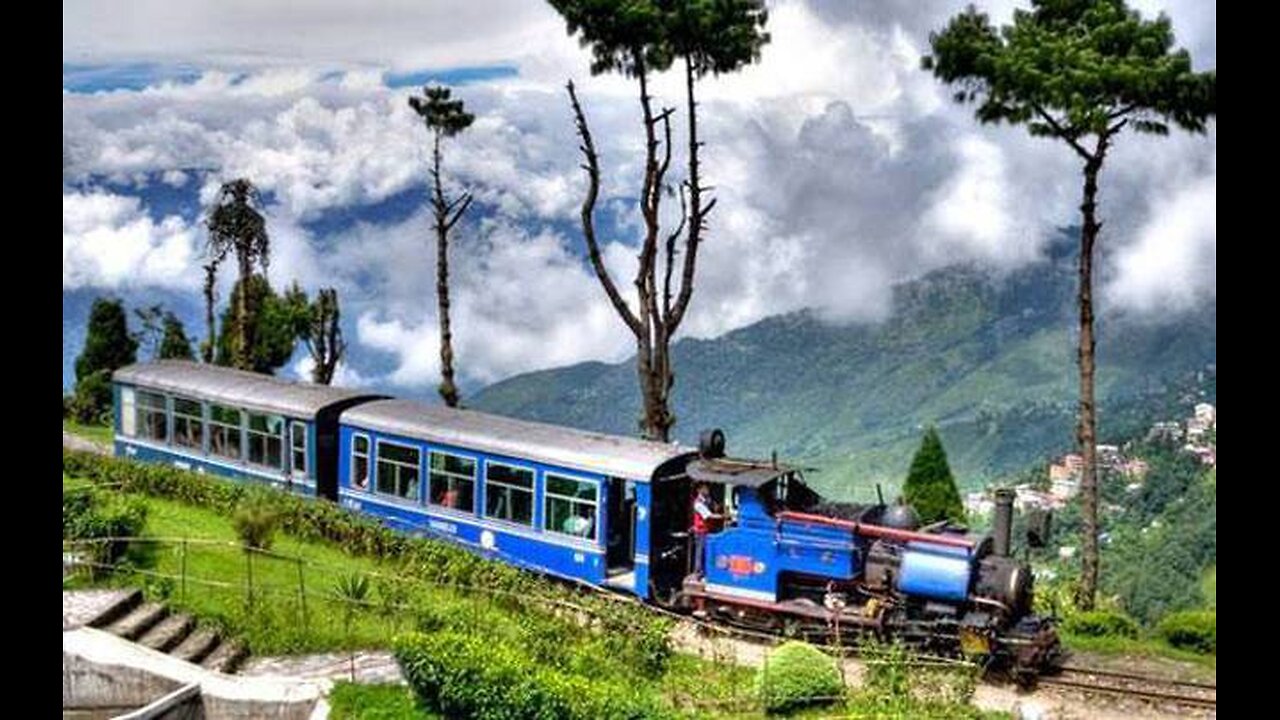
{"x": 989, "y": 358}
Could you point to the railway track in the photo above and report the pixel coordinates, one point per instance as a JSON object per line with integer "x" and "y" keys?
{"x": 1159, "y": 690}
{"x": 1146, "y": 688}
{"x": 1086, "y": 680}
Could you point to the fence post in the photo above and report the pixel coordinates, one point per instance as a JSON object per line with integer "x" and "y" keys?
{"x": 302, "y": 597}
{"x": 840, "y": 653}
{"x": 732, "y": 683}
{"x": 184, "y": 572}
{"x": 248, "y": 556}
{"x": 764, "y": 679}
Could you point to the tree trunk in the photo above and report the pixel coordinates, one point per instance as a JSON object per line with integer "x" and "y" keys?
{"x": 242, "y": 314}
{"x": 210, "y": 278}
{"x": 1087, "y": 428}
{"x": 331, "y": 345}
{"x": 651, "y": 345}
{"x": 448, "y": 390}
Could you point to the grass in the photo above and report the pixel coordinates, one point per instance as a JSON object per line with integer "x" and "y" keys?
{"x": 272, "y": 618}
{"x": 1142, "y": 647}
{"x": 278, "y": 621}
{"x": 350, "y": 701}
{"x": 97, "y": 433}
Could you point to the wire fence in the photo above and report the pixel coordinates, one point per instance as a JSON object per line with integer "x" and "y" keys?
{"x": 255, "y": 589}
{"x": 254, "y": 579}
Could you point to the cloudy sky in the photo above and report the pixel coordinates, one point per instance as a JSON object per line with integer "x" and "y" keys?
{"x": 840, "y": 168}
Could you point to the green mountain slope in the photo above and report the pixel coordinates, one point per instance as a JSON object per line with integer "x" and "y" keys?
{"x": 990, "y": 360}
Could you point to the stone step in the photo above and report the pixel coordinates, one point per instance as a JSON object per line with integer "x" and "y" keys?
{"x": 117, "y": 609}
{"x": 227, "y": 657}
{"x": 138, "y": 621}
{"x": 166, "y": 634}
{"x": 197, "y": 646}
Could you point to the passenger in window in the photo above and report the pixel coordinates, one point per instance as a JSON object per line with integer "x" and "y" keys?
{"x": 450, "y": 498}
{"x": 579, "y": 524}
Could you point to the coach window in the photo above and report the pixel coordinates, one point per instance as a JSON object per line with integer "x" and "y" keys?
{"x": 188, "y": 424}
{"x": 224, "y": 432}
{"x": 298, "y": 448}
{"x": 398, "y": 470}
{"x": 508, "y": 493}
{"x": 128, "y": 412}
{"x": 153, "y": 422}
{"x": 266, "y": 441}
{"x": 570, "y": 507}
{"x": 360, "y": 462}
{"x": 453, "y": 482}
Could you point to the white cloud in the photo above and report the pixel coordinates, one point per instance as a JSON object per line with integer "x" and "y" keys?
{"x": 1173, "y": 264}
{"x": 972, "y": 213}
{"x": 110, "y": 241}
{"x": 840, "y": 168}
{"x": 343, "y": 375}
{"x": 401, "y": 33}
{"x": 519, "y": 303}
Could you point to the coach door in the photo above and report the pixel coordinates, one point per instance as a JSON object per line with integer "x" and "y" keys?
{"x": 620, "y": 527}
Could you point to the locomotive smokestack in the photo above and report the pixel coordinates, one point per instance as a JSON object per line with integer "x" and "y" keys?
{"x": 1003, "y": 523}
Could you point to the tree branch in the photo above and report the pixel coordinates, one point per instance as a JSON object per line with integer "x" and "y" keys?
{"x": 651, "y": 200}
{"x": 466, "y": 203}
{"x": 671, "y": 254}
{"x": 592, "y": 167}
{"x": 1062, "y": 132}
{"x": 1122, "y": 111}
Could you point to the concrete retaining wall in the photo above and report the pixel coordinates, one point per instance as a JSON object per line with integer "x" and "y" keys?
{"x": 101, "y": 671}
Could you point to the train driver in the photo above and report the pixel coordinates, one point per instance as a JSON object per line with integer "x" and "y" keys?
{"x": 704, "y": 516}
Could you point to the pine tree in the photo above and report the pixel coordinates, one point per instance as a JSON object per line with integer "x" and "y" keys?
{"x": 930, "y": 487}
{"x": 443, "y": 118}
{"x": 174, "y": 344}
{"x": 274, "y": 329}
{"x": 1079, "y": 71}
{"x": 107, "y": 346}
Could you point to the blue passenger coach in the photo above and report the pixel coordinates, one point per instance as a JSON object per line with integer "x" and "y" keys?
{"x": 230, "y": 422}
{"x": 605, "y": 510}
{"x": 569, "y": 502}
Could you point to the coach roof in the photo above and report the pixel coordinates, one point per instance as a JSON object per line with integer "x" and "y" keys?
{"x": 550, "y": 444}
{"x": 236, "y": 387}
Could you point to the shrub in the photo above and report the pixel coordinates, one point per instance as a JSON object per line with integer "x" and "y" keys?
{"x": 77, "y": 503}
{"x": 91, "y": 404}
{"x": 256, "y": 519}
{"x": 642, "y": 638}
{"x": 470, "y": 676}
{"x": 795, "y": 675}
{"x": 88, "y": 515}
{"x": 1195, "y": 630}
{"x": 1101, "y": 623}
{"x": 894, "y": 686}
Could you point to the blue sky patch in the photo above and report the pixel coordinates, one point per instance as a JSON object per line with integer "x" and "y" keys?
{"x": 450, "y": 76}
{"x": 90, "y": 79}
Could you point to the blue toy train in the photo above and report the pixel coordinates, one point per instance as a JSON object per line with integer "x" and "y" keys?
{"x": 610, "y": 511}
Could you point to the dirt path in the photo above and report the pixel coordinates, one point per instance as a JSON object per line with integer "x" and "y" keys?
{"x": 75, "y": 442}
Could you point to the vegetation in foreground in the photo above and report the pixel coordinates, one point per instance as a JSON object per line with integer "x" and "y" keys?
{"x": 290, "y": 600}
{"x": 98, "y": 433}
{"x": 353, "y": 701}
{"x": 1159, "y": 562}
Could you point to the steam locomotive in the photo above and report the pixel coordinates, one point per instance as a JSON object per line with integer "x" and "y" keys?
{"x": 614, "y": 512}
